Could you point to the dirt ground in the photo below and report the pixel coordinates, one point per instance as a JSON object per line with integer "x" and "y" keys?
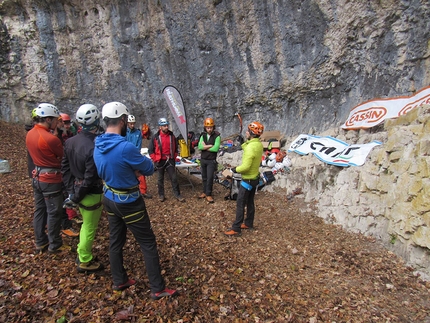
{"x": 292, "y": 268}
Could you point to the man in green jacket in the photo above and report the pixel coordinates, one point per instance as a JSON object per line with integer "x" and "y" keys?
{"x": 250, "y": 171}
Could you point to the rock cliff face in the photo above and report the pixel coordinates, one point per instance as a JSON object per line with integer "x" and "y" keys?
{"x": 297, "y": 66}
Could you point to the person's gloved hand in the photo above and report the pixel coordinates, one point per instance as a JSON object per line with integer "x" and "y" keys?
{"x": 233, "y": 170}
{"x": 68, "y": 203}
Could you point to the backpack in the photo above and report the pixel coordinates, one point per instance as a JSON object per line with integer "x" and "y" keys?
{"x": 268, "y": 177}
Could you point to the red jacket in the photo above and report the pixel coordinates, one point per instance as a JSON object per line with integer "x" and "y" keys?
{"x": 163, "y": 146}
{"x": 46, "y": 150}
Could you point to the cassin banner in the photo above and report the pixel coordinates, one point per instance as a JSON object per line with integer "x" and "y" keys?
{"x": 372, "y": 113}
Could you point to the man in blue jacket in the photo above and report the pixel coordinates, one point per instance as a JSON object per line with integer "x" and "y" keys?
{"x": 119, "y": 163}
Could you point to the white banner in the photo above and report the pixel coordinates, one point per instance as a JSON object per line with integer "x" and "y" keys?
{"x": 174, "y": 101}
{"x": 331, "y": 150}
{"x": 372, "y": 113}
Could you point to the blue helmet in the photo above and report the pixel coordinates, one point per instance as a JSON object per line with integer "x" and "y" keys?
{"x": 163, "y": 122}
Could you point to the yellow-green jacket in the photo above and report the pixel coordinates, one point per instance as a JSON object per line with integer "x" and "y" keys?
{"x": 251, "y": 159}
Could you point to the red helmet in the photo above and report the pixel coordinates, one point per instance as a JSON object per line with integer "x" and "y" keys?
{"x": 209, "y": 122}
{"x": 256, "y": 128}
{"x": 65, "y": 117}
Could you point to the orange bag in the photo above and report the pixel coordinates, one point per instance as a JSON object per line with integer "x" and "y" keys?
{"x": 280, "y": 156}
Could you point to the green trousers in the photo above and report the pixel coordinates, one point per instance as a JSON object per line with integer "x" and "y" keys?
{"x": 89, "y": 225}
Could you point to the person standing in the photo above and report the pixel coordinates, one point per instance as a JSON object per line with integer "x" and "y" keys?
{"x": 135, "y": 137}
{"x": 163, "y": 150}
{"x": 28, "y": 127}
{"x": 69, "y": 127}
{"x": 209, "y": 144}
{"x": 46, "y": 151}
{"x": 250, "y": 171}
{"x": 68, "y": 214}
{"x": 83, "y": 185}
{"x": 118, "y": 162}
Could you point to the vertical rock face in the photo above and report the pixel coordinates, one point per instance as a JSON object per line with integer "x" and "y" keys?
{"x": 297, "y": 66}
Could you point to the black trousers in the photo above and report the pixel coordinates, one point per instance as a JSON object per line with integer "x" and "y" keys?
{"x": 245, "y": 198}
{"x": 132, "y": 216}
{"x": 208, "y": 168}
{"x": 167, "y": 166}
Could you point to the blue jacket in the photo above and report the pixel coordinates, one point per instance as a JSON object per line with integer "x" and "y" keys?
{"x": 135, "y": 137}
{"x": 117, "y": 160}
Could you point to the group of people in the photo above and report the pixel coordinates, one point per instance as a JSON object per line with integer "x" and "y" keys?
{"x": 209, "y": 144}
{"x": 98, "y": 172}
{"x": 107, "y": 171}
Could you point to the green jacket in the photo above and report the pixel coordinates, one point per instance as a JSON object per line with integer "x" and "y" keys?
{"x": 251, "y": 159}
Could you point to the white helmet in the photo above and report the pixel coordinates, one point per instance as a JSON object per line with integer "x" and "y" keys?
{"x": 87, "y": 114}
{"x": 272, "y": 156}
{"x": 163, "y": 122}
{"x": 271, "y": 162}
{"x": 114, "y": 110}
{"x": 131, "y": 118}
{"x": 44, "y": 110}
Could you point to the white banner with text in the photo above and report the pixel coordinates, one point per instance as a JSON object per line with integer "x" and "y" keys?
{"x": 372, "y": 113}
{"x": 331, "y": 150}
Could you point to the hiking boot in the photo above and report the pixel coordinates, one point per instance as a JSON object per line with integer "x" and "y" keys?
{"x": 180, "y": 198}
{"x": 202, "y": 196}
{"x": 147, "y": 196}
{"x": 42, "y": 248}
{"x": 90, "y": 266}
{"x": 161, "y": 198}
{"x": 210, "y": 199}
{"x": 63, "y": 248}
{"x": 70, "y": 232}
{"x": 244, "y": 226}
{"x": 126, "y": 285}
{"x": 232, "y": 233}
{"x": 164, "y": 293}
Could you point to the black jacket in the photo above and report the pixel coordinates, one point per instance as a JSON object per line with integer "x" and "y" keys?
{"x": 78, "y": 168}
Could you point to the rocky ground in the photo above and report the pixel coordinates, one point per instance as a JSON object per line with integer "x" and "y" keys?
{"x": 291, "y": 268}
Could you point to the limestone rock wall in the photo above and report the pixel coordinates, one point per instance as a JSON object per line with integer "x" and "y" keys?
{"x": 387, "y": 198}
{"x": 297, "y": 66}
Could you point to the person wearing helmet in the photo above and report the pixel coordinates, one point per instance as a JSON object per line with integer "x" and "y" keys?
{"x": 46, "y": 151}
{"x": 146, "y": 132}
{"x": 83, "y": 185}
{"x": 118, "y": 162}
{"x": 68, "y": 214}
{"x": 209, "y": 144}
{"x": 135, "y": 137}
{"x": 163, "y": 150}
{"x": 250, "y": 171}
{"x": 28, "y": 127}
{"x": 69, "y": 129}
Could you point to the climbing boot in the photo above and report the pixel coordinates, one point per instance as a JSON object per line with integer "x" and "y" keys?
{"x": 90, "y": 266}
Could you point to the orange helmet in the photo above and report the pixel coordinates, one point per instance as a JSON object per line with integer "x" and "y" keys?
{"x": 256, "y": 128}
{"x": 65, "y": 116}
{"x": 209, "y": 122}
{"x": 145, "y": 128}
